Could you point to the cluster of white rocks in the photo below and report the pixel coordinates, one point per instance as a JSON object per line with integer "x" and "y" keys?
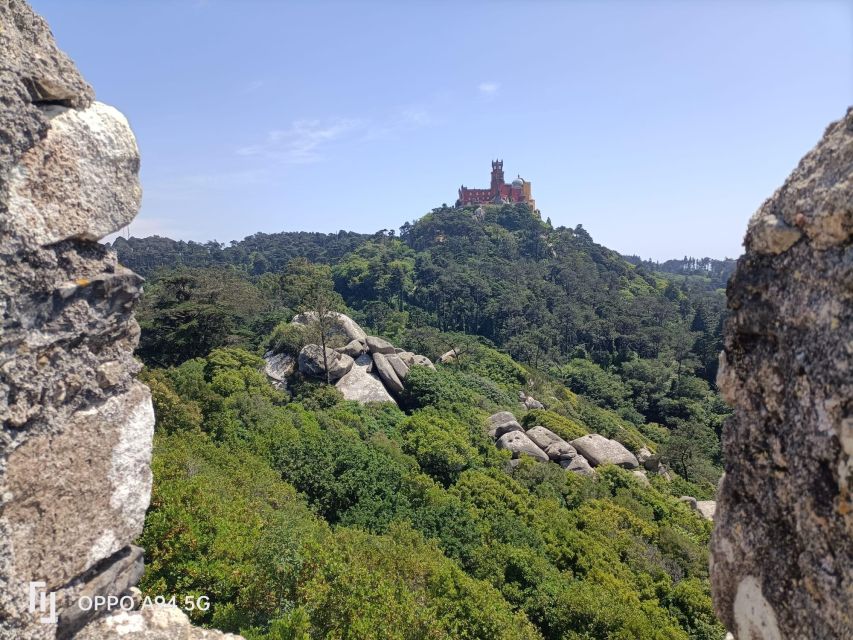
{"x": 581, "y": 455}
{"x": 529, "y": 402}
{"x": 366, "y": 369}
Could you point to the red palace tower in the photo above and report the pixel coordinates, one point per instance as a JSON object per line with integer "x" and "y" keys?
{"x": 499, "y": 192}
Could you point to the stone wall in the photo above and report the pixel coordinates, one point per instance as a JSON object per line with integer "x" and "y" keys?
{"x": 782, "y": 550}
{"x": 76, "y": 441}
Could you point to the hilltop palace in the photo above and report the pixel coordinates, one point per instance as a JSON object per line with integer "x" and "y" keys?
{"x": 500, "y": 192}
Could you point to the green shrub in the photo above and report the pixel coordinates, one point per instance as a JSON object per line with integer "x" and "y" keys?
{"x": 322, "y": 518}
{"x": 496, "y": 394}
{"x": 288, "y": 338}
{"x": 690, "y": 603}
{"x": 315, "y": 395}
{"x": 564, "y": 427}
{"x": 439, "y": 443}
{"x": 439, "y": 388}
{"x": 172, "y": 413}
{"x": 491, "y": 364}
{"x": 599, "y": 385}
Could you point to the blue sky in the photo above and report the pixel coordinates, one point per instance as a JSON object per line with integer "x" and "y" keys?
{"x": 659, "y": 126}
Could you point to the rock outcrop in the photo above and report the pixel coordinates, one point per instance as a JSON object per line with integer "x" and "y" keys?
{"x": 518, "y": 443}
{"x": 401, "y": 369}
{"x": 417, "y": 360}
{"x": 529, "y": 402}
{"x": 378, "y": 345}
{"x": 341, "y": 324}
{"x": 553, "y": 445}
{"x": 538, "y": 442}
{"x": 641, "y": 477}
{"x": 599, "y": 450}
{"x": 501, "y": 423}
{"x": 380, "y": 368}
{"x": 312, "y": 362}
{"x": 361, "y": 385}
{"x": 447, "y": 357}
{"x": 579, "y": 456}
{"x": 578, "y": 464}
{"x": 386, "y": 373}
{"x": 354, "y": 348}
{"x": 278, "y": 368}
{"x": 705, "y": 508}
{"x": 782, "y": 548}
{"x": 155, "y": 623}
{"x": 75, "y": 477}
{"x": 93, "y": 162}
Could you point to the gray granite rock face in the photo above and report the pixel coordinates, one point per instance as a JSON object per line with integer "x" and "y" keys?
{"x": 400, "y": 367}
{"x": 353, "y": 348}
{"x": 386, "y": 364}
{"x": 447, "y": 357}
{"x": 33, "y": 72}
{"x": 312, "y": 363}
{"x": 75, "y": 444}
{"x": 578, "y": 464}
{"x": 532, "y": 403}
{"x": 551, "y": 443}
{"x": 340, "y": 325}
{"x": 782, "y": 548}
{"x": 407, "y": 357}
{"x": 422, "y": 361}
{"x": 386, "y": 373}
{"x": 278, "y": 367}
{"x": 361, "y": 385}
{"x": 351, "y": 328}
{"x": 599, "y": 450}
{"x": 706, "y": 508}
{"x": 519, "y": 443}
{"x": 155, "y": 623}
{"x": 378, "y": 345}
{"x": 641, "y": 477}
{"x": 93, "y": 162}
{"x": 501, "y": 423}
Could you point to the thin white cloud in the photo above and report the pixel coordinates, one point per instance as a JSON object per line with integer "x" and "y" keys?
{"x": 253, "y": 86}
{"x": 416, "y": 116}
{"x": 303, "y": 142}
{"x": 306, "y": 141}
{"x": 407, "y": 119}
{"x": 488, "y": 88}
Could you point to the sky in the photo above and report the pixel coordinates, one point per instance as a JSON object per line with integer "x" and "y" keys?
{"x": 659, "y": 126}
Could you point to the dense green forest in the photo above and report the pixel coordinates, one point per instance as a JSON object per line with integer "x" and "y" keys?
{"x": 303, "y": 515}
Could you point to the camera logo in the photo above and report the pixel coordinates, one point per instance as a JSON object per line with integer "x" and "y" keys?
{"x": 42, "y": 601}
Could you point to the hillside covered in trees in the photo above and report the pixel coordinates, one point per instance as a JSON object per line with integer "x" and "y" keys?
{"x": 303, "y": 515}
